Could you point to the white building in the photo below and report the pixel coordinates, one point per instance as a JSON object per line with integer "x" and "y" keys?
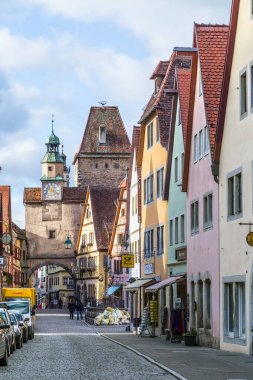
{"x": 235, "y": 175}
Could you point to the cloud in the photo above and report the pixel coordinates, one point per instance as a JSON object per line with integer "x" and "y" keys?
{"x": 158, "y": 24}
{"x": 21, "y": 52}
{"x": 13, "y": 115}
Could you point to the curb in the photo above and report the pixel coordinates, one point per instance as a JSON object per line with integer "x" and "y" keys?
{"x": 149, "y": 359}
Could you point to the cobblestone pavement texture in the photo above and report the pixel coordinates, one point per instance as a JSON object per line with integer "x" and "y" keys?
{"x": 66, "y": 349}
{"x": 194, "y": 363}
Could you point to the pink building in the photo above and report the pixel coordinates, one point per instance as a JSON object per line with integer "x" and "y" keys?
{"x": 200, "y": 185}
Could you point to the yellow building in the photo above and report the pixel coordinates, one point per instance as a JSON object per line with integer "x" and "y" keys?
{"x": 92, "y": 244}
{"x": 152, "y": 158}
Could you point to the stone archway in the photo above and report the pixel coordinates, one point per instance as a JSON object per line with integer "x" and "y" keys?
{"x": 35, "y": 263}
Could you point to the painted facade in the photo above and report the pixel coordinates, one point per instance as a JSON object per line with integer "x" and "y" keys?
{"x": 118, "y": 245}
{"x": 235, "y": 187}
{"x": 92, "y": 243}
{"x": 202, "y": 190}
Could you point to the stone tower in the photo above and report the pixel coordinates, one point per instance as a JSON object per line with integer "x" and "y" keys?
{"x": 103, "y": 156}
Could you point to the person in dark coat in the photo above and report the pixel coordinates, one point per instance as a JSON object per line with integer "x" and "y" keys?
{"x": 79, "y": 310}
{"x": 72, "y": 308}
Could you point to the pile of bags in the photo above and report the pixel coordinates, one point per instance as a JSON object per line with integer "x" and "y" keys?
{"x": 112, "y": 316}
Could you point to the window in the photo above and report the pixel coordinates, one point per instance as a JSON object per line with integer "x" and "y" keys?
{"x": 136, "y": 249}
{"x": 200, "y": 305}
{"x": 50, "y": 168}
{"x": 235, "y": 196}
{"x": 208, "y": 298}
{"x": 150, "y": 135}
{"x": 178, "y": 117}
{"x": 91, "y": 292}
{"x": 149, "y": 189}
{"x": 84, "y": 240}
{"x": 91, "y": 238}
{"x": 171, "y": 232}
{"x": 195, "y": 217}
{"x": 102, "y": 135}
{"x": 132, "y": 206}
{"x": 182, "y": 229}
{"x": 200, "y": 144}
{"x": 176, "y": 169}
{"x": 159, "y": 183}
{"x": 120, "y": 239}
{"x": 176, "y": 230}
{"x": 157, "y": 132}
{"x": 182, "y": 165}
{"x": 67, "y": 281}
{"x": 106, "y": 165}
{"x": 243, "y": 94}
{"x": 52, "y": 234}
{"x": 136, "y": 203}
{"x": 200, "y": 84}
{"x": 160, "y": 240}
{"x": 234, "y": 309}
{"x": 122, "y": 212}
{"x": 206, "y": 141}
{"x": 88, "y": 213}
{"x": 149, "y": 244}
{"x": 208, "y": 211}
{"x": 195, "y": 148}
{"x": 117, "y": 266}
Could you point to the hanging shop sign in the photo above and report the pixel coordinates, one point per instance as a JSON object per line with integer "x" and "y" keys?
{"x": 249, "y": 238}
{"x": 127, "y": 261}
{"x": 153, "y": 311}
{"x": 149, "y": 268}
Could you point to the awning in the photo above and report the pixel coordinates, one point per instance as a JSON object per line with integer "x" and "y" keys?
{"x": 137, "y": 284}
{"x": 162, "y": 284}
{"x": 113, "y": 289}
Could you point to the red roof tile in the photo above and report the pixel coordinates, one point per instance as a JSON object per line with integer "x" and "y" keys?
{"x": 184, "y": 81}
{"x": 160, "y": 69}
{"x": 211, "y": 41}
{"x": 70, "y": 194}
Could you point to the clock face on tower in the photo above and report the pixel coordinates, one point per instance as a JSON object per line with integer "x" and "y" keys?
{"x": 51, "y": 191}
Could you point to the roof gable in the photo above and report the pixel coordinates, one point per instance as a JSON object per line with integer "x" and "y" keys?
{"x": 211, "y": 41}
{"x": 117, "y": 140}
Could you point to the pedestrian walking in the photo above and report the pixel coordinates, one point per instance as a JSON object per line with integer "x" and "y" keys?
{"x": 79, "y": 310}
{"x": 72, "y": 308}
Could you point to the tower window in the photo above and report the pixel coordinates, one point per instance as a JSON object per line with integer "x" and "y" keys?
{"x": 96, "y": 166}
{"x": 102, "y": 135}
{"x": 50, "y": 168}
{"x": 106, "y": 166}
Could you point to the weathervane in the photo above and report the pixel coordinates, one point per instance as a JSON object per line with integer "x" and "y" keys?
{"x": 103, "y": 102}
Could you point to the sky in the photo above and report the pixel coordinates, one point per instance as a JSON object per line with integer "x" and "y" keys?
{"x": 61, "y": 57}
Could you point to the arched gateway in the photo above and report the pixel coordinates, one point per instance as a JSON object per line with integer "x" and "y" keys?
{"x": 53, "y": 213}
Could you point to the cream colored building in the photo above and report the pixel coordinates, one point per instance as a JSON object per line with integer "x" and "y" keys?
{"x": 60, "y": 285}
{"x": 235, "y": 185}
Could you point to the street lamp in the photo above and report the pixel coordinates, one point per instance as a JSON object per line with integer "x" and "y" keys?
{"x": 68, "y": 242}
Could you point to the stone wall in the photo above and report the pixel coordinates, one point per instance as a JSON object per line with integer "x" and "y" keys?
{"x": 100, "y": 171}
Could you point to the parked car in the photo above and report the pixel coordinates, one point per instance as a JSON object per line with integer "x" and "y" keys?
{"x": 4, "y": 343}
{"x": 22, "y": 323}
{"x": 8, "y": 330}
{"x": 18, "y": 329}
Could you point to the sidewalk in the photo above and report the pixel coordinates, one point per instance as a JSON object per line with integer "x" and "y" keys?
{"x": 194, "y": 363}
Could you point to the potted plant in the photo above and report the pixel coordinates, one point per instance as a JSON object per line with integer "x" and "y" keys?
{"x": 190, "y": 338}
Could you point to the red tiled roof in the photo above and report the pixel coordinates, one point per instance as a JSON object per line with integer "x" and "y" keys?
{"x": 184, "y": 82}
{"x": 103, "y": 204}
{"x": 211, "y": 41}
{"x": 162, "y": 102}
{"x": 160, "y": 69}
{"x": 70, "y": 194}
{"x": 117, "y": 140}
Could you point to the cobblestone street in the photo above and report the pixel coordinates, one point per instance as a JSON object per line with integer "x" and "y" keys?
{"x": 65, "y": 349}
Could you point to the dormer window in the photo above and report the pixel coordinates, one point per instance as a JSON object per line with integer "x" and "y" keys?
{"x": 158, "y": 82}
{"x": 102, "y": 135}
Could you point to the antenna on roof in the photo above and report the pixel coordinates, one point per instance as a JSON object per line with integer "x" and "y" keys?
{"x": 103, "y": 102}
